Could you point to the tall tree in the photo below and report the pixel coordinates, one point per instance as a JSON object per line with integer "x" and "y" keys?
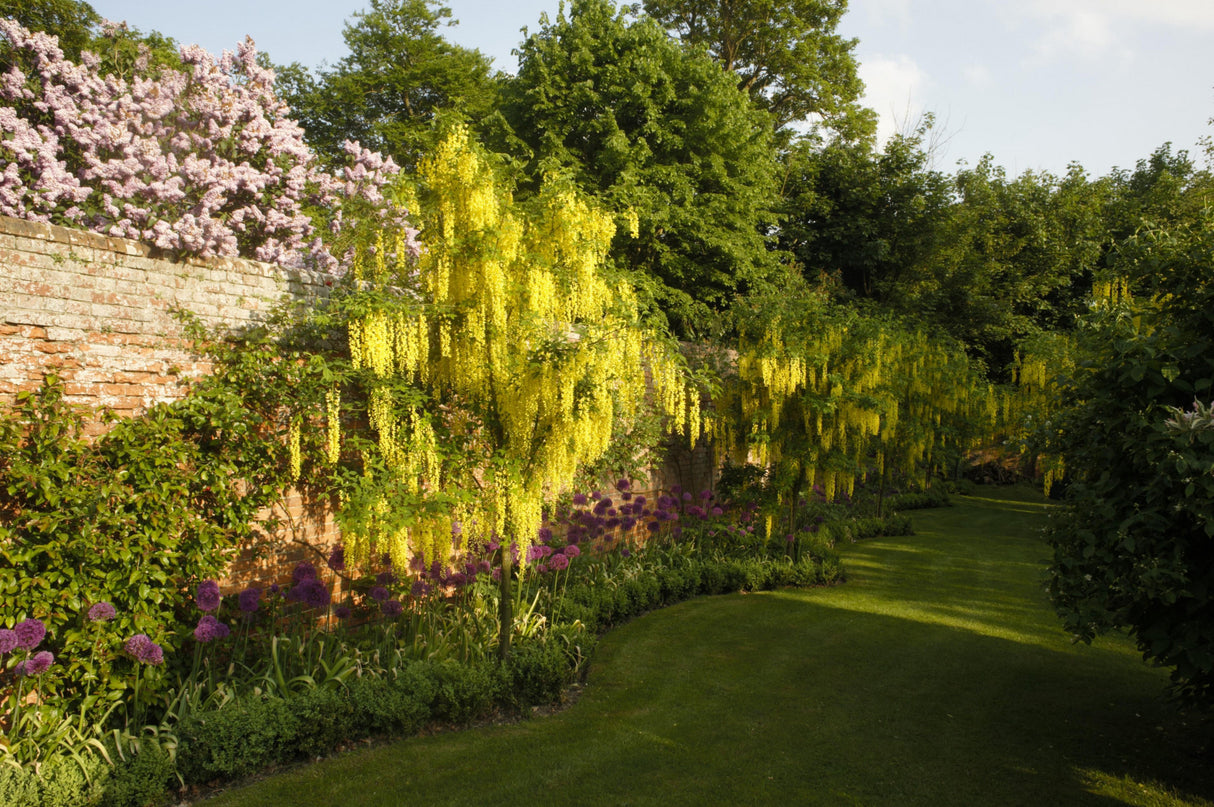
{"x": 659, "y": 133}
{"x": 785, "y": 53}
{"x": 400, "y": 72}
{"x": 73, "y": 21}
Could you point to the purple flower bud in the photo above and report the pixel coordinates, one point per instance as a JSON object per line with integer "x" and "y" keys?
{"x": 622, "y": 485}
{"x": 342, "y": 611}
{"x": 207, "y": 595}
{"x": 101, "y": 612}
{"x": 30, "y": 633}
{"x": 626, "y": 552}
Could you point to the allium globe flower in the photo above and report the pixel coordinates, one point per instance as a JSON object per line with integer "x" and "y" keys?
{"x": 572, "y": 551}
{"x": 207, "y": 596}
{"x": 141, "y": 648}
{"x": 705, "y": 494}
{"x": 250, "y": 600}
{"x": 36, "y": 664}
{"x": 8, "y": 640}
{"x": 420, "y": 588}
{"x": 687, "y": 497}
{"x": 392, "y": 609}
{"x": 303, "y": 571}
{"x": 622, "y": 485}
{"x": 342, "y": 611}
{"x": 559, "y": 562}
{"x": 379, "y": 594}
{"x": 579, "y": 499}
{"x": 385, "y": 578}
{"x": 311, "y": 592}
{"x": 484, "y": 567}
{"x": 30, "y": 633}
{"x": 101, "y": 612}
{"x": 209, "y": 629}
{"x": 716, "y": 511}
{"x": 337, "y": 558}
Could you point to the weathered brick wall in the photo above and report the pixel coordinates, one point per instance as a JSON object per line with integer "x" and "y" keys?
{"x": 96, "y": 312}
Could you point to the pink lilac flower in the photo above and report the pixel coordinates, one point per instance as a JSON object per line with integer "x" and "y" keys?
{"x": 36, "y": 664}
{"x": 30, "y": 633}
{"x": 8, "y": 640}
{"x": 101, "y": 612}
{"x": 207, "y": 596}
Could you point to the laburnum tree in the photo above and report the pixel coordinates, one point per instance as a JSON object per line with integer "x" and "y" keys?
{"x": 786, "y": 55}
{"x": 503, "y": 372}
{"x": 826, "y": 395}
{"x": 660, "y": 133}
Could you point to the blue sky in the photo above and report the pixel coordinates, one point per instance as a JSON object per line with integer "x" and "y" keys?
{"x": 1037, "y": 83}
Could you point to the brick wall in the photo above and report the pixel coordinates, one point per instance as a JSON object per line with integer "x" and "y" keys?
{"x": 96, "y": 312}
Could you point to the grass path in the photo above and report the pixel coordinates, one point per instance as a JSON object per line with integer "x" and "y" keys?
{"x": 937, "y": 675}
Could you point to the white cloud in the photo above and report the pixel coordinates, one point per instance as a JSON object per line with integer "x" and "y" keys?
{"x": 1093, "y": 28}
{"x": 977, "y": 75}
{"x": 886, "y": 11}
{"x": 893, "y": 87}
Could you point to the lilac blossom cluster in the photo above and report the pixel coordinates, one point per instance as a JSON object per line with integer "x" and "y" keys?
{"x": 203, "y": 161}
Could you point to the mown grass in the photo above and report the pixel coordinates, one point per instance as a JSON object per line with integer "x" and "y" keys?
{"x": 936, "y": 676}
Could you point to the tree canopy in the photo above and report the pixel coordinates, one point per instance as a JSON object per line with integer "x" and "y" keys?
{"x": 656, "y": 132}
{"x": 786, "y": 54}
{"x": 399, "y": 73}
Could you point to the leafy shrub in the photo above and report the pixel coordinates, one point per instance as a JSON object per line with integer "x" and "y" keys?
{"x": 932, "y": 497}
{"x": 398, "y": 706}
{"x": 537, "y": 672}
{"x": 60, "y": 782}
{"x": 465, "y": 692}
{"x": 141, "y": 779}
{"x": 235, "y": 741}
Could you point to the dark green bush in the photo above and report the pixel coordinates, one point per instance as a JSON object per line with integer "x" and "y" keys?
{"x": 465, "y": 692}
{"x": 61, "y": 782}
{"x": 141, "y": 779}
{"x": 537, "y": 672}
{"x": 235, "y": 741}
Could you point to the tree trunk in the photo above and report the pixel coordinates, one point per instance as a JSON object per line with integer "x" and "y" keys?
{"x": 505, "y": 610}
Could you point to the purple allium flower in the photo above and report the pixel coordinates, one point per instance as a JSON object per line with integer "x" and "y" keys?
{"x": 716, "y": 511}
{"x": 622, "y": 485}
{"x": 705, "y": 494}
{"x": 628, "y": 523}
{"x": 207, "y": 595}
{"x": 790, "y": 537}
{"x": 542, "y": 568}
{"x": 494, "y": 546}
{"x": 559, "y": 562}
{"x": 626, "y": 496}
{"x": 572, "y": 551}
{"x": 484, "y": 567}
{"x": 275, "y": 588}
{"x": 303, "y": 571}
{"x": 337, "y": 558}
{"x": 579, "y": 499}
{"x": 626, "y": 552}
{"x": 392, "y": 609}
{"x": 696, "y": 510}
{"x": 676, "y": 489}
{"x": 379, "y": 594}
{"x": 8, "y": 640}
{"x": 459, "y": 579}
{"x": 497, "y": 575}
{"x": 596, "y": 494}
{"x": 312, "y": 593}
{"x": 544, "y": 534}
{"x": 144, "y": 650}
{"x": 209, "y": 629}
{"x": 250, "y": 599}
{"x": 417, "y": 563}
{"x": 30, "y": 633}
{"x": 687, "y": 497}
{"x": 637, "y": 503}
{"x": 420, "y": 588}
{"x": 36, "y": 664}
{"x": 342, "y": 611}
{"x": 665, "y": 501}
{"x": 653, "y": 526}
{"x": 385, "y": 578}
{"x": 101, "y": 612}
{"x": 602, "y": 505}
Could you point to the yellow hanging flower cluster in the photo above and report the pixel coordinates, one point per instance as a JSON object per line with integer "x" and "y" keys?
{"x": 517, "y": 323}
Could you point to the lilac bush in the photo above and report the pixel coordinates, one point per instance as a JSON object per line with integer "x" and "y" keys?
{"x": 201, "y": 161}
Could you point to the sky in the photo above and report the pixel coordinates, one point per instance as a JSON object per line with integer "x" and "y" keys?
{"x": 1038, "y": 84}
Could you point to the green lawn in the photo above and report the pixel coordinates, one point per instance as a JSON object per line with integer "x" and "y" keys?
{"x": 937, "y": 675}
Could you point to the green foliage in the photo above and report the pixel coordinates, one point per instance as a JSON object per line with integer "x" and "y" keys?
{"x": 131, "y": 518}
{"x": 657, "y": 131}
{"x": 1133, "y": 548}
{"x": 60, "y": 782}
{"x": 73, "y": 21}
{"x": 785, "y": 54}
{"x": 398, "y": 75}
